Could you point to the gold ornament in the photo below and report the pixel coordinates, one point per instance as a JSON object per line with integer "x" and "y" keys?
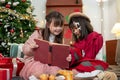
{"x": 21, "y": 33}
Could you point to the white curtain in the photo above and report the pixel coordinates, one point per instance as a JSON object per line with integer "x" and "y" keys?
{"x": 102, "y": 18}
{"x": 39, "y": 11}
{"x": 118, "y": 10}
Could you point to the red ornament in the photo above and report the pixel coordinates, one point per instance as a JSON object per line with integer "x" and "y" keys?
{"x": 68, "y": 34}
{"x": 23, "y": 0}
{"x": 12, "y": 31}
{"x": 7, "y": 6}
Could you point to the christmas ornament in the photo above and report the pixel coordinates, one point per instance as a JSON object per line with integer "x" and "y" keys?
{"x": 7, "y": 6}
{"x": 23, "y": 0}
{"x": 67, "y": 18}
{"x": 68, "y": 34}
{"x": 21, "y": 33}
{"x": 12, "y": 31}
{"x": 15, "y": 3}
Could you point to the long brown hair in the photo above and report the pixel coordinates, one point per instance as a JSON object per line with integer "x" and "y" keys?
{"x": 58, "y": 21}
{"x": 86, "y": 27}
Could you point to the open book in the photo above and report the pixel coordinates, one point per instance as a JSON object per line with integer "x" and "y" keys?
{"x": 53, "y": 54}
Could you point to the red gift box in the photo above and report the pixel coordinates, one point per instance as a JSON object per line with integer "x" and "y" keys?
{"x": 11, "y": 63}
{"x": 6, "y": 62}
{"x": 5, "y": 74}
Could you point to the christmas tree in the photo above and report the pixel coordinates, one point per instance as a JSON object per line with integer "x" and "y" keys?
{"x": 16, "y": 23}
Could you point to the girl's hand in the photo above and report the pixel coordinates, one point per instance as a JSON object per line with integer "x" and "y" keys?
{"x": 69, "y": 58}
{"x": 33, "y": 45}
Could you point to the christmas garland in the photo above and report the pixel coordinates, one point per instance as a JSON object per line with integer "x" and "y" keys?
{"x": 18, "y": 15}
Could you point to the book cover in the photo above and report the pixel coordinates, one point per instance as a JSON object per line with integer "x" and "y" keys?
{"x": 59, "y": 54}
{"x": 42, "y": 53}
{"x": 54, "y": 54}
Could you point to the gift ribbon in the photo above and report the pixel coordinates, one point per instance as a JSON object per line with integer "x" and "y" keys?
{"x": 8, "y": 74}
{"x": 14, "y": 61}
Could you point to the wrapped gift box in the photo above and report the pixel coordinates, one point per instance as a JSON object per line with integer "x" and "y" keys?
{"x": 6, "y": 62}
{"x": 5, "y": 74}
{"x": 11, "y": 63}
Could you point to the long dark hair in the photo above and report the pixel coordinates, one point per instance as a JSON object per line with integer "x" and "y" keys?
{"x": 86, "y": 27}
{"x": 58, "y": 21}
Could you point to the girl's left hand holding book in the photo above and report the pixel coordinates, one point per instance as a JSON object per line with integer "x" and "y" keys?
{"x": 69, "y": 58}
